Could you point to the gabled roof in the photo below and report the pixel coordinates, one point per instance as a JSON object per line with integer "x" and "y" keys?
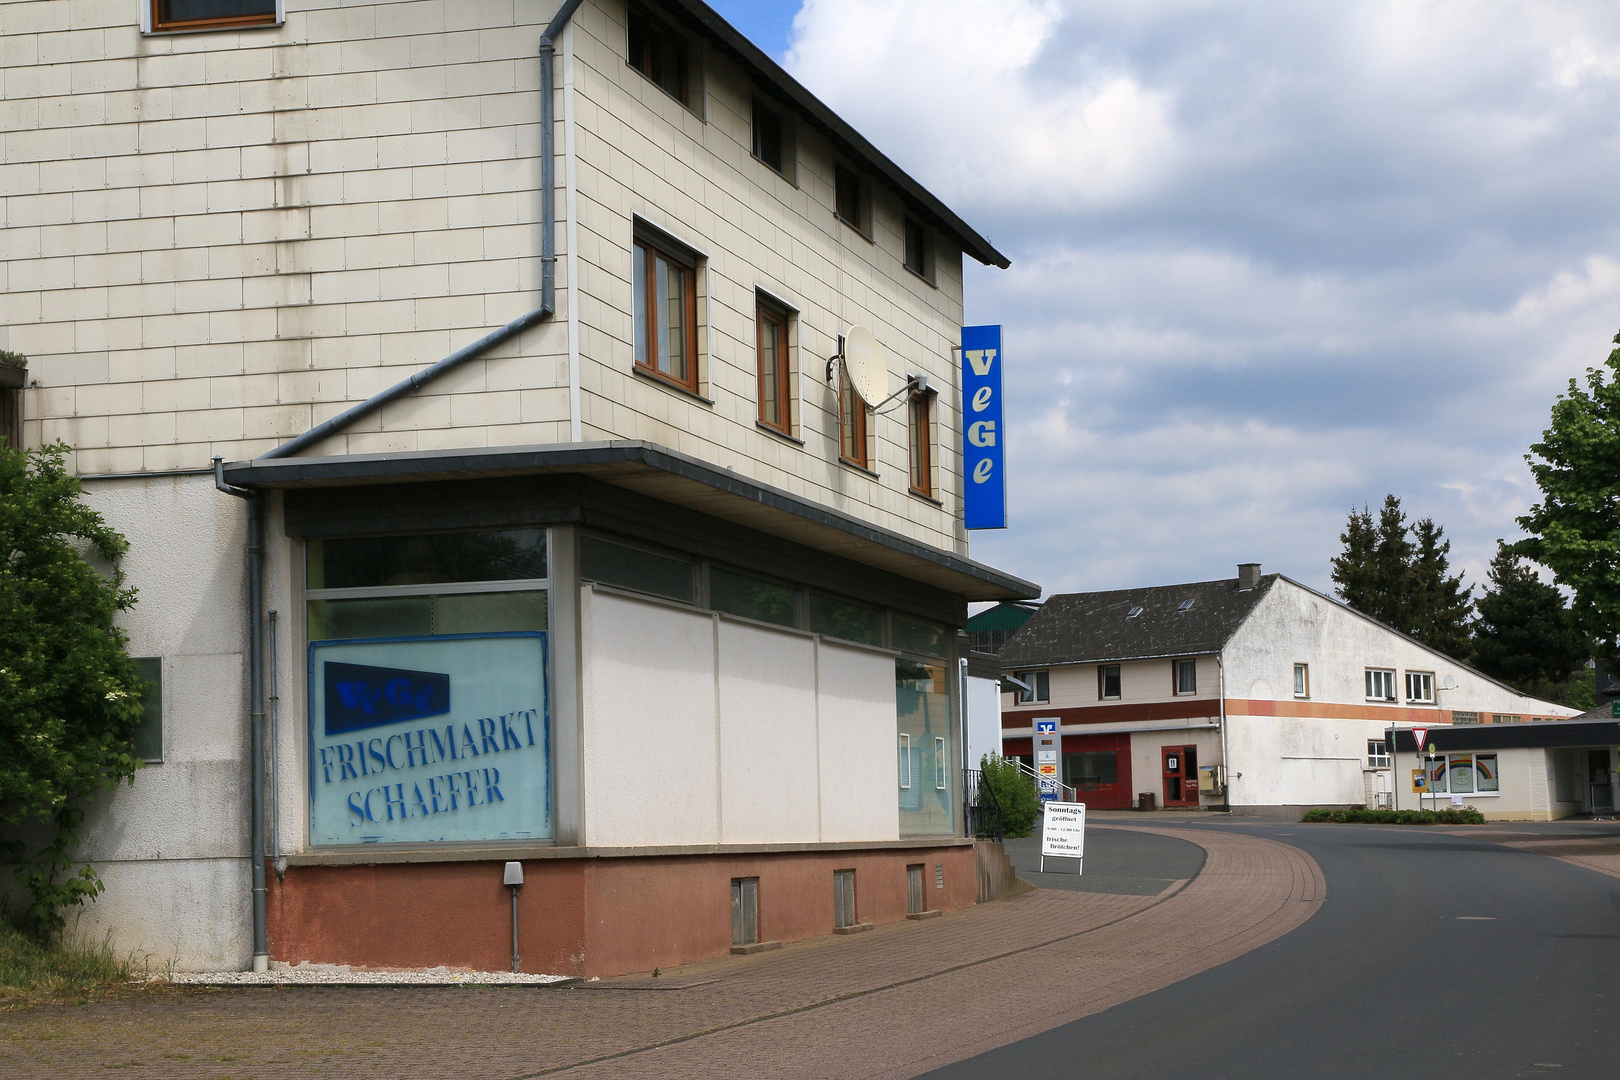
{"x": 1078, "y": 628}
{"x": 777, "y": 83}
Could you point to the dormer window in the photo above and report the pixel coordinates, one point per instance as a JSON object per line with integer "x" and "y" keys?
{"x": 1134, "y": 612}
{"x": 1186, "y": 606}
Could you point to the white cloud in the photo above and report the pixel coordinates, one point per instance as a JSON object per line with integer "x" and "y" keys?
{"x": 1271, "y": 259}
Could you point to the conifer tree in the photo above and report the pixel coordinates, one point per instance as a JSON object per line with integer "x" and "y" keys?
{"x": 1400, "y": 576}
{"x": 1524, "y": 634}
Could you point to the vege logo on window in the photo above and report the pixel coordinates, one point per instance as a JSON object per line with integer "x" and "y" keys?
{"x": 359, "y": 696}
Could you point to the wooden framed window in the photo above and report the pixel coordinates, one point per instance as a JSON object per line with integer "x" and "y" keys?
{"x": 921, "y": 416}
{"x": 852, "y": 425}
{"x": 775, "y": 384}
{"x": 847, "y": 197}
{"x": 658, "y": 53}
{"x": 666, "y": 316}
{"x": 211, "y": 14}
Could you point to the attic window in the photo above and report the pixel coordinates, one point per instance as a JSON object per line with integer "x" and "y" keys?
{"x": 1186, "y": 606}
{"x": 1133, "y": 613}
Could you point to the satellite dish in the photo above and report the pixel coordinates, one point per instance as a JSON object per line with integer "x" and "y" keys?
{"x": 865, "y": 364}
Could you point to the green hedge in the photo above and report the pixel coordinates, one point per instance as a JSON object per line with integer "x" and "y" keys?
{"x": 1357, "y": 815}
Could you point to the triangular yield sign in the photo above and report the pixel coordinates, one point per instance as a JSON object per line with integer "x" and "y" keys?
{"x": 1419, "y": 734}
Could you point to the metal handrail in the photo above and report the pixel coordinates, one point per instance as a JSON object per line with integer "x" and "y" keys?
{"x": 985, "y": 818}
{"x": 1072, "y": 793}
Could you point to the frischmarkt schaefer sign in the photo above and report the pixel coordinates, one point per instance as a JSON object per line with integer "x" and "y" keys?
{"x": 984, "y": 474}
{"x": 429, "y": 739}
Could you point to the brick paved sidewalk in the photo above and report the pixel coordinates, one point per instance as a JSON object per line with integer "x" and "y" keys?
{"x": 1600, "y": 851}
{"x": 889, "y": 1003}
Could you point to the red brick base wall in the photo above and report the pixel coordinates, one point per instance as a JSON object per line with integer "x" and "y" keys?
{"x": 588, "y": 916}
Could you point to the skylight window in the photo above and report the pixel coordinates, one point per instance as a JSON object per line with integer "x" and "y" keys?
{"x": 1186, "y": 606}
{"x": 1133, "y": 613}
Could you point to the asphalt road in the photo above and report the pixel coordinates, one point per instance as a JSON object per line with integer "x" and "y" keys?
{"x": 1434, "y": 956}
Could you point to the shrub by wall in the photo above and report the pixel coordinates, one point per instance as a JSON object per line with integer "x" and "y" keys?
{"x": 1357, "y": 815}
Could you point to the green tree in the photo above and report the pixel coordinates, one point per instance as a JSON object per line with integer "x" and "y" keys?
{"x": 1575, "y": 530}
{"x": 1014, "y": 793}
{"x": 1400, "y": 575}
{"x": 1524, "y": 634}
{"x": 70, "y": 697}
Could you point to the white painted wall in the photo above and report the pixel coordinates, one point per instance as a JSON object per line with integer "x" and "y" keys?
{"x": 983, "y": 720}
{"x": 702, "y": 729}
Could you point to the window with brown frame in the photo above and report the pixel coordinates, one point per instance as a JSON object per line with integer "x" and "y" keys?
{"x": 658, "y": 53}
{"x": 775, "y": 386}
{"x": 921, "y": 413}
{"x": 666, "y": 316}
{"x": 211, "y": 14}
{"x": 852, "y": 425}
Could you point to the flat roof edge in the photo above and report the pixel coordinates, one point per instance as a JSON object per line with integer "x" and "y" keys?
{"x": 425, "y": 466}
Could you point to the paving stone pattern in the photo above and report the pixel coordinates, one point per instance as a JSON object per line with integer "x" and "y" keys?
{"x": 890, "y": 1003}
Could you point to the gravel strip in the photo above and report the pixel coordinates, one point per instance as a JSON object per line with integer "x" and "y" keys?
{"x": 334, "y": 975}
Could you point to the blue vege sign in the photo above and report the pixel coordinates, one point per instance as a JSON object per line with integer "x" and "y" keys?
{"x": 984, "y": 498}
{"x": 396, "y": 758}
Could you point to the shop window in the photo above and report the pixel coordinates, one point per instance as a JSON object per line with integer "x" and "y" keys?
{"x": 920, "y": 425}
{"x": 149, "y": 735}
{"x": 168, "y": 15}
{"x": 658, "y": 53}
{"x": 665, "y": 301}
{"x": 1302, "y": 681}
{"x": 918, "y": 636}
{"x": 1377, "y": 754}
{"x": 1420, "y": 687}
{"x": 635, "y": 569}
{"x": 1186, "y": 676}
{"x": 1091, "y": 770}
{"x": 1108, "y": 682}
{"x": 751, "y": 597}
{"x": 428, "y": 693}
{"x": 775, "y": 382}
{"x": 1040, "y": 687}
{"x": 852, "y": 426}
{"x": 1463, "y": 774}
{"x": 836, "y": 617}
{"x": 1380, "y": 684}
{"x": 924, "y": 722}
{"x": 428, "y": 559}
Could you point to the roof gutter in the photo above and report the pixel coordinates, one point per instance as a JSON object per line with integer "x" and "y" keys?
{"x": 548, "y": 266}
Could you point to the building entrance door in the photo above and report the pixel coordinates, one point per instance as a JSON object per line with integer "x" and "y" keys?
{"x": 1598, "y": 776}
{"x": 1180, "y": 775}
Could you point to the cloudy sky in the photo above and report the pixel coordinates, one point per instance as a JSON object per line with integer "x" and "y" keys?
{"x": 1270, "y": 259}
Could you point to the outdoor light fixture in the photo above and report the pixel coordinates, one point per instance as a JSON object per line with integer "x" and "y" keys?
{"x": 514, "y": 878}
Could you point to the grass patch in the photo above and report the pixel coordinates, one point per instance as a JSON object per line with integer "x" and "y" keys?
{"x": 1357, "y": 815}
{"x": 38, "y": 973}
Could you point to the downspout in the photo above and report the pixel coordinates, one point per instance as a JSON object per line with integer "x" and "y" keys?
{"x": 548, "y": 267}
{"x": 255, "y": 570}
{"x": 1226, "y": 761}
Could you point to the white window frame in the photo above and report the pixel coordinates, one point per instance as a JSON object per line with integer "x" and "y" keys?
{"x": 1424, "y": 679}
{"x": 1377, "y": 754}
{"x": 1444, "y": 785}
{"x": 1040, "y": 687}
{"x": 1176, "y": 673}
{"x": 1378, "y": 674}
{"x": 1302, "y": 680}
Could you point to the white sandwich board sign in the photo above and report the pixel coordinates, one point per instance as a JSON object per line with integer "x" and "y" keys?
{"x": 1063, "y": 837}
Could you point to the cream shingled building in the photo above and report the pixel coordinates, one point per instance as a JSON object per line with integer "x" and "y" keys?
{"x": 630, "y": 589}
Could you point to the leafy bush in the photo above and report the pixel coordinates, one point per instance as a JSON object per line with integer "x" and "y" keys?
{"x": 1357, "y": 815}
{"x": 1014, "y": 792}
{"x": 70, "y": 696}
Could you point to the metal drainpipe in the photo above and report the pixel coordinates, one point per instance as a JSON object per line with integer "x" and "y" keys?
{"x": 255, "y": 569}
{"x": 1226, "y": 761}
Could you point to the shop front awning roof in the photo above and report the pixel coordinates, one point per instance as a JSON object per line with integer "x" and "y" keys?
{"x": 1545, "y": 733}
{"x": 662, "y": 474}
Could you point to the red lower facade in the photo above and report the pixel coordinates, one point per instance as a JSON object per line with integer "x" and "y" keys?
{"x": 1098, "y": 767}
{"x": 593, "y": 916}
